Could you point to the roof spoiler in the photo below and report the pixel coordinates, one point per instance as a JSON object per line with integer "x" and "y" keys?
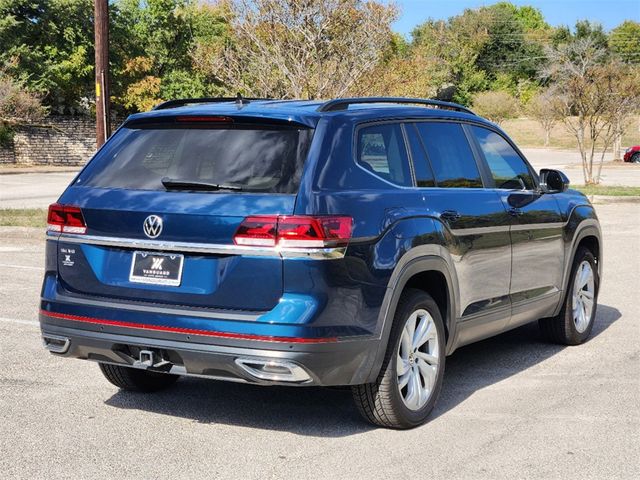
{"x": 183, "y": 102}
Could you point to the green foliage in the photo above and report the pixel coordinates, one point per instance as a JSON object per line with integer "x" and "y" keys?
{"x": 6, "y": 135}
{"x": 625, "y": 41}
{"x": 155, "y": 40}
{"x": 163, "y": 49}
{"x": 48, "y": 44}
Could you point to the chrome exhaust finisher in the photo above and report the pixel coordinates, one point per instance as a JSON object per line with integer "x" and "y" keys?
{"x": 55, "y": 343}
{"x": 273, "y": 370}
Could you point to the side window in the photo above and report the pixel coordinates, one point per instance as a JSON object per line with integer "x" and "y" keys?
{"x": 450, "y": 155}
{"x": 381, "y": 150}
{"x": 507, "y": 167}
{"x": 421, "y": 167}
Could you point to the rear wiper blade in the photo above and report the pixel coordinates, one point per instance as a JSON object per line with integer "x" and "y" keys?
{"x": 173, "y": 184}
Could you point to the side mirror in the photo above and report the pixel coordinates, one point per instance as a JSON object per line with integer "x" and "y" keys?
{"x": 553, "y": 181}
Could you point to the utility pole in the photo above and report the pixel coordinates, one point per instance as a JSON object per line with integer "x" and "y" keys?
{"x": 101, "y": 24}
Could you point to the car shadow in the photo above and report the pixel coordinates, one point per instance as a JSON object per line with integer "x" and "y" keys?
{"x": 329, "y": 412}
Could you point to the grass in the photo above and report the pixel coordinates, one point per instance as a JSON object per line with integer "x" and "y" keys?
{"x": 611, "y": 191}
{"x": 23, "y": 217}
{"x": 528, "y": 133}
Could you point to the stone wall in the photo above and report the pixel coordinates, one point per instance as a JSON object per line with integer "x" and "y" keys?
{"x": 68, "y": 141}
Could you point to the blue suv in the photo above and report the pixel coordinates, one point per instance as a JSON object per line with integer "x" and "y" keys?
{"x": 354, "y": 242}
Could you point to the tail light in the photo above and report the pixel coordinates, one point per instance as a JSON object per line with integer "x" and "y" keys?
{"x": 65, "y": 219}
{"x": 294, "y": 231}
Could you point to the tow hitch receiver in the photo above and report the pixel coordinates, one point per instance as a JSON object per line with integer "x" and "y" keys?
{"x": 148, "y": 359}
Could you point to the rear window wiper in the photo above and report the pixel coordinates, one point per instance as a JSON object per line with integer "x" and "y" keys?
{"x": 174, "y": 184}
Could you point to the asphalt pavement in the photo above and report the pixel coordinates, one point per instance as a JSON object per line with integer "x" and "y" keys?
{"x": 511, "y": 407}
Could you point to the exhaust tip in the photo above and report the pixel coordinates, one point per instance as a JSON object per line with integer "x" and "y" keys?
{"x": 273, "y": 370}
{"x": 55, "y": 343}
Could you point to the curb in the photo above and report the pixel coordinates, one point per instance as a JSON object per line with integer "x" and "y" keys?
{"x": 604, "y": 199}
{"x": 19, "y": 170}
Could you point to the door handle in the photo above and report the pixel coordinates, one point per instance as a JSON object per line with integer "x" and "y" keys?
{"x": 515, "y": 212}
{"x": 450, "y": 216}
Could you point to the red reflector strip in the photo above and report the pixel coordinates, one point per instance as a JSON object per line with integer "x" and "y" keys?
{"x": 188, "y": 331}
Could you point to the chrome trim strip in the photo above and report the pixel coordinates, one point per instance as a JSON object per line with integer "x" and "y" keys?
{"x": 207, "y": 248}
{"x": 55, "y": 348}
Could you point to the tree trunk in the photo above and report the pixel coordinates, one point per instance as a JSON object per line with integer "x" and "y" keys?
{"x": 617, "y": 141}
{"x": 547, "y": 137}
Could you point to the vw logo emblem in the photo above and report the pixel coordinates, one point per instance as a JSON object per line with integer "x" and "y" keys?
{"x": 152, "y": 226}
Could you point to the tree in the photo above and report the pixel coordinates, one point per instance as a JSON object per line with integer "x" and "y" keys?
{"x": 513, "y": 48}
{"x": 594, "y": 95}
{"x": 496, "y": 106}
{"x": 47, "y": 45}
{"x": 625, "y": 41}
{"x": 18, "y": 106}
{"x": 292, "y": 49}
{"x": 153, "y": 41}
{"x": 405, "y": 72}
{"x": 543, "y": 107}
{"x": 495, "y": 47}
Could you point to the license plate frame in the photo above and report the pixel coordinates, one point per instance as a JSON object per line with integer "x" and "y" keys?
{"x": 150, "y": 268}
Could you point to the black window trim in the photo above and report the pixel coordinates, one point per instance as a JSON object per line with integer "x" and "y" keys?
{"x": 485, "y": 177}
{"x": 354, "y": 148}
{"x": 483, "y": 167}
{"x": 491, "y": 184}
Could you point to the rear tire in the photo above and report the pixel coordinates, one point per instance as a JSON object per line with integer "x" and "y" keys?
{"x": 136, "y": 380}
{"x": 410, "y": 379}
{"x": 635, "y": 158}
{"x": 574, "y": 323}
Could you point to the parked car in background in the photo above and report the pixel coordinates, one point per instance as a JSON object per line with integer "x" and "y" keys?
{"x": 632, "y": 154}
{"x": 351, "y": 242}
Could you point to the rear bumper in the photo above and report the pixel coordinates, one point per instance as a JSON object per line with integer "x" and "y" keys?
{"x": 315, "y": 362}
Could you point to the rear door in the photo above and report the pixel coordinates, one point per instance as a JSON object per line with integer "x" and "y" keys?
{"x": 475, "y": 224}
{"x": 193, "y": 180}
{"x": 536, "y": 231}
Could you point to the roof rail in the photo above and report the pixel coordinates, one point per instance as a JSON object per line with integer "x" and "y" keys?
{"x": 181, "y": 102}
{"x": 343, "y": 103}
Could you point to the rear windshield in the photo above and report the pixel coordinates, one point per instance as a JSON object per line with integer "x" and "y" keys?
{"x": 243, "y": 158}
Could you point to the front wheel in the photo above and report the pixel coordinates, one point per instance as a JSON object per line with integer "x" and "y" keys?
{"x": 574, "y": 323}
{"x": 410, "y": 379}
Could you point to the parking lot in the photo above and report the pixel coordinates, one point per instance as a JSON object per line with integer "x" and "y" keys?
{"x": 511, "y": 407}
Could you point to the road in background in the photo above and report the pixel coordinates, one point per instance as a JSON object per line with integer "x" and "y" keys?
{"x": 511, "y": 406}
{"x": 38, "y": 190}
{"x": 32, "y": 190}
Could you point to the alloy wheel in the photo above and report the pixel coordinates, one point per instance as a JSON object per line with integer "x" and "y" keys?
{"x": 583, "y": 296}
{"x": 418, "y": 360}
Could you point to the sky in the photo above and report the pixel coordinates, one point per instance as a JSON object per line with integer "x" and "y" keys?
{"x": 609, "y": 13}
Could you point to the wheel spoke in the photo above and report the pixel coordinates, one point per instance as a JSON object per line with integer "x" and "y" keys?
{"x": 409, "y": 331}
{"x": 585, "y": 274}
{"x": 405, "y": 346}
{"x": 403, "y": 366}
{"x": 586, "y": 294}
{"x": 404, "y": 379}
{"x": 427, "y": 357}
{"x": 428, "y": 373}
{"x": 423, "y": 332}
{"x": 413, "y": 388}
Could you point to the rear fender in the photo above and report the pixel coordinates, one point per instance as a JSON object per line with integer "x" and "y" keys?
{"x": 420, "y": 259}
